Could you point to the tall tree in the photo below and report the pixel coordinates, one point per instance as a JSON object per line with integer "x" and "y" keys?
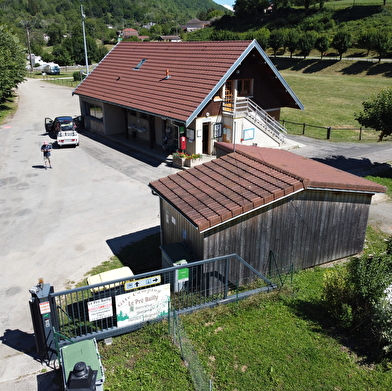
{"x": 377, "y": 113}
{"x": 12, "y": 62}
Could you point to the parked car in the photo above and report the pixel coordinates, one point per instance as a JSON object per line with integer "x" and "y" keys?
{"x": 67, "y": 137}
{"x": 59, "y": 123}
{"x": 64, "y": 129}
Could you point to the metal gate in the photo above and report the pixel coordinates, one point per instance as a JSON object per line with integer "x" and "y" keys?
{"x": 116, "y": 307}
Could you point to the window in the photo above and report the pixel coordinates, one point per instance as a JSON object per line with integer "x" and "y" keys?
{"x": 138, "y": 66}
{"x": 218, "y": 127}
{"x": 94, "y": 111}
{"x": 244, "y": 87}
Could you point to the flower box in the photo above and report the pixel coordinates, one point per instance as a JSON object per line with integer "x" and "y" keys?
{"x": 178, "y": 162}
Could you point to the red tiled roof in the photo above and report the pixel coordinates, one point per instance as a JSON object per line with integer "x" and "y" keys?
{"x": 241, "y": 181}
{"x": 189, "y": 65}
{"x": 195, "y": 70}
{"x": 311, "y": 172}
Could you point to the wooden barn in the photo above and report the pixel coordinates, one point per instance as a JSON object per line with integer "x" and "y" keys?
{"x": 256, "y": 201}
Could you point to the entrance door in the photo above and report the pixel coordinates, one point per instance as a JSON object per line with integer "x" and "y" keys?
{"x": 206, "y": 138}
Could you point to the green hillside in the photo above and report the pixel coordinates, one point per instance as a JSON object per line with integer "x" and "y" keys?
{"x": 43, "y": 16}
{"x": 354, "y": 16}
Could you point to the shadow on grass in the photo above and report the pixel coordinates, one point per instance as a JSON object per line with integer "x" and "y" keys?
{"x": 140, "y": 250}
{"x": 356, "y": 12}
{"x": 315, "y": 312}
{"x": 360, "y": 167}
{"x": 319, "y": 66}
{"x": 368, "y": 68}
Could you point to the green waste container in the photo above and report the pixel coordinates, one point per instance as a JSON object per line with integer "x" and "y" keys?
{"x": 81, "y": 366}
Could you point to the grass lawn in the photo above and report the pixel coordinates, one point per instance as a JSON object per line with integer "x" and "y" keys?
{"x": 331, "y": 99}
{"x": 8, "y": 108}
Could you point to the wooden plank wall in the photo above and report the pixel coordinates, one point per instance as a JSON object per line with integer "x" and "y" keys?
{"x": 311, "y": 228}
{"x": 174, "y": 227}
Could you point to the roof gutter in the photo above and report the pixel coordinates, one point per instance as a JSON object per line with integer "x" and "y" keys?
{"x": 342, "y": 190}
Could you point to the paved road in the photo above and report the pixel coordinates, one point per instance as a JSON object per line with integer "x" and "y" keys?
{"x": 59, "y": 223}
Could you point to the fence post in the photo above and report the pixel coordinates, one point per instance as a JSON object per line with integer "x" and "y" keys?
{"x": 303, "y": 128}
{"x": 329, "y": 133}
{"x": 226, "y": 278}
{"x": 360, "y": 133}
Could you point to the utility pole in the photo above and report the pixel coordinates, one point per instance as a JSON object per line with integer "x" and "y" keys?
{"x": 84, "y": 37}
{"x": 26, "y": 25}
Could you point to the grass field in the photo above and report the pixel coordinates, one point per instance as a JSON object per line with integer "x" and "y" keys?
{"x": 332, "y": 91}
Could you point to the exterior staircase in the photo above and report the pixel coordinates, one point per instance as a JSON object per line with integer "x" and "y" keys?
{"x": 261, "y": 119}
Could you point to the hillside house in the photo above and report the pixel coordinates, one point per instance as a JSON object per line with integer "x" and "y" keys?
{"x": 256, "y": 202}
{"x": 129, "y": 32}
{"x": 195, "y": 24}
{"x": 159, "y": 93}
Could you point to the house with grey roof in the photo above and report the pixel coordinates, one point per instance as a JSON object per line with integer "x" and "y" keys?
{"x": 273, "y": 208}
{"x": 158, "y": 93}
{"x": 195, "y": 24}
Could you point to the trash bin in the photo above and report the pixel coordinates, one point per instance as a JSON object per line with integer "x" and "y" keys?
{"x": 81, "y": 366}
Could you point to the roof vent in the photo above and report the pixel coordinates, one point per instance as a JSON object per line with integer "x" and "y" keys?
{"x": 138, "y": 66}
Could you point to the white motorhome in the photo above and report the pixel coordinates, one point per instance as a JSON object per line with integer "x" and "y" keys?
{"x": 52, "y": 69}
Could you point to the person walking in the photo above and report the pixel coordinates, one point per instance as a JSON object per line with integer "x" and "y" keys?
{"x": 46, "y": 150}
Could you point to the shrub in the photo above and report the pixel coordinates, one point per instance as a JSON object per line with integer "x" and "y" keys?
{"x": 337, "y": 295}
{"x": 356, "y": 296}
{"x": 77, "y": 76}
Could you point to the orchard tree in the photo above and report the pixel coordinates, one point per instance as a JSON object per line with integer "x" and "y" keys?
{"x": 377, "y": 113}
{"x": 341, "y": 42}
{"x": 322, "y": 45}
{"x": 12, "y": 62}
{"x": 306, "y": 42}
{"x": 381, "y": 43}
{"x": 277, "y": 40}
{"x": 366, "y": 39}
{"x": 262, "y": 36}
{"x": 292, "y": 39}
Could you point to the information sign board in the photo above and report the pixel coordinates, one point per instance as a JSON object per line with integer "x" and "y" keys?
{"x": 143, "y": 305}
